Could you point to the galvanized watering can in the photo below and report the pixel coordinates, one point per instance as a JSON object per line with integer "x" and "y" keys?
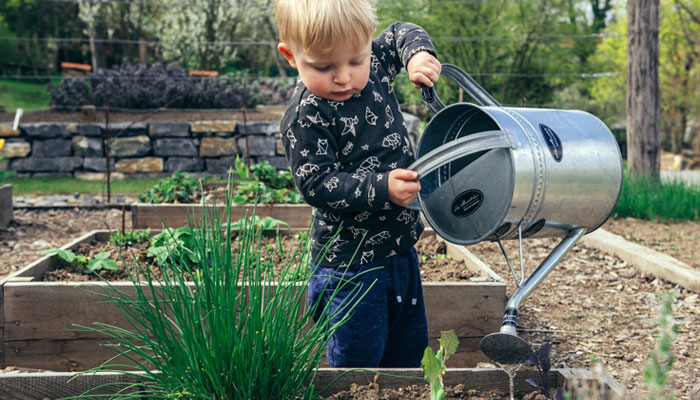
{"x": 489, "y": 172}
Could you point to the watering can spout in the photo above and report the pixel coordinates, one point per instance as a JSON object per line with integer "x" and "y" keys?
{"x": 505, "y": 346}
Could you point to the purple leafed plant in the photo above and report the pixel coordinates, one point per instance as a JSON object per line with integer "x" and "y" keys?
{"x": 540, "y": 359}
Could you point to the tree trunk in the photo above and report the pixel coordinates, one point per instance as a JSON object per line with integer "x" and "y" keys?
{"x": 643, "y": 109}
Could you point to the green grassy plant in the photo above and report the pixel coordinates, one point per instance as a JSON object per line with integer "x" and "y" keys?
{"x": 233, "y": 332}
{"x": 26, "y": 95}
{"x": 49, "y": 186}
{"x": 647, "y": 199}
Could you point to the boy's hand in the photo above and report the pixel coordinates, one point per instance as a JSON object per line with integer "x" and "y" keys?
{"x": 402, "y": 186}
{"x": 423, "y": 69}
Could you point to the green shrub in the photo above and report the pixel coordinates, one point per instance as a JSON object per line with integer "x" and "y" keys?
{"x": 652, "y": 200}
{"x": 176, "y": 188}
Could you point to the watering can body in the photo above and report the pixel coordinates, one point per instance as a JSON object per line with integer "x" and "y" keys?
{"x": 549, "y": 172}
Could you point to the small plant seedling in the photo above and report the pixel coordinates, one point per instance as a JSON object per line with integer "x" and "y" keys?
{"x": 661, "y": 358}
{"x": 266, "y": 223}
{"x": 101, "y": 260}
{"x": 127, "y": 238}
{"x": 434, "y": 364}
{"x": 540, "y": 359}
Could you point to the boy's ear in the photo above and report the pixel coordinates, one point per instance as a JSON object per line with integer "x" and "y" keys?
{"x": 287, "y": 53}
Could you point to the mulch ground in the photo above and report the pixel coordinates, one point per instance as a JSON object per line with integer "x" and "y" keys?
{"x": 593, "y": 307}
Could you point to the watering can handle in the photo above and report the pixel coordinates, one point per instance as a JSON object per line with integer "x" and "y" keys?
{"x": 469, "y": 85}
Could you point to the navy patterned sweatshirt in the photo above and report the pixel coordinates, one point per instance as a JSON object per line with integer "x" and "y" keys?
{"x": 340, "y": 155}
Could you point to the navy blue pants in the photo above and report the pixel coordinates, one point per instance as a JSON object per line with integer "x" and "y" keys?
{"x": 388, "y": 327}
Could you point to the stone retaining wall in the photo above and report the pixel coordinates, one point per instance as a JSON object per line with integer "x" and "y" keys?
{"x": 143, "y": 149}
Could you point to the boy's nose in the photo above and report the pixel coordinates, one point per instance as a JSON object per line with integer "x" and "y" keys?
{"x": 342, "y": 77}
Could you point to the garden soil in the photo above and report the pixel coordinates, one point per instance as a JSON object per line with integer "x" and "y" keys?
{"x": 593, "y": 307}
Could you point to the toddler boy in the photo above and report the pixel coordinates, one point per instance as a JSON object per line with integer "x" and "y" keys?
{"x": 347, "y": 146}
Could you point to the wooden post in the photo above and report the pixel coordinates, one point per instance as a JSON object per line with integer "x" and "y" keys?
{"x": 643, "y": 109}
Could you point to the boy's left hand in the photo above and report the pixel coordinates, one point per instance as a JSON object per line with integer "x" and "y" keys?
{"x": 423, "y": 69}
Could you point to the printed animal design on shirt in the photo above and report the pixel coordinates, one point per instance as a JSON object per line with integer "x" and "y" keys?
{"x": 378, "y": 239}
{"x": 349, "y": 127}
{"x": 348, "y": 148}
{"x": 331, "y": 183}
{"x": 335, "y": 104}
{"x": 377, "y": 96}
{"x": 311, "y": 99}
{"x": 374, "y": 64}
{"x": 370, "y": 117}
{"x": 371, "y": 195}
{"x": 393, "y": 141}
{"x": 367, "y": 257}
{"x": 368, "y": 166}
{"x": 316, "y": 119}
{"x": 406, "y": 216}
{"x": 406, "y": 149}
{"x": 362, "y": 216}
{"x": 389, "y": 114}
{"x": 388, "y": 38}
{"x": 338, "y": 204}
{"x": 292, "y": 139}
{"x": 306, "y": 170}
{"x": 386, "y": 80}
{"x": 322, "y": 149}
{"x": 357, "y": 231}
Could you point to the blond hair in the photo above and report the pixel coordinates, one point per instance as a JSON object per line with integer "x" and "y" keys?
{"x": 318, "y": 25}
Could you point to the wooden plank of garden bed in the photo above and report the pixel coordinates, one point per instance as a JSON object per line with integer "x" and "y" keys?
{"x": 46, "y": 312}
{"x": 153, "y": 216}
{"x": 52, "y": 384}
{"x": 393, "y": 378}
{"x": 61, "y": 355}
{"x": 645, "y": 259}
{"x": 41, "y": 310}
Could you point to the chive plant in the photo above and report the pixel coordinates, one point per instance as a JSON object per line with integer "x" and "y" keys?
{"x": 236, "y": 330}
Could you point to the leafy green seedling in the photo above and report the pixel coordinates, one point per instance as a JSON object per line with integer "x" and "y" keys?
{"x": 434, "y": 364}
{"x": 127, "y": 238}
{"x": 266, "y": 223}
{"x": 101, "y": 260}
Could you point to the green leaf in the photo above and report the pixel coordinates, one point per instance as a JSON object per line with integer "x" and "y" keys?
{"x": 448, "y": 340}
{"x": 102, "y": 256}
{"x": 66, "y": 255}
{"x": 431, "y": 366}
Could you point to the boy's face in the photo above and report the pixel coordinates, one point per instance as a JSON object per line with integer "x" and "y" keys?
{"x": 335, "y": 76}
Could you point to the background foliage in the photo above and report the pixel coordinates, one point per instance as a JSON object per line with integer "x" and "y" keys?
{"x": 538, "y": 53}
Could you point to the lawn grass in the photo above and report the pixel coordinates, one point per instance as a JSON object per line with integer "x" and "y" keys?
{"x": 656, "y": 201}
{"x": 29, "y": 96}
{"x": 49, "y": 186}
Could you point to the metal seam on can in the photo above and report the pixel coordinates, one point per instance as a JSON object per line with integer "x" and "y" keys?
{"x": 536, "y": 199}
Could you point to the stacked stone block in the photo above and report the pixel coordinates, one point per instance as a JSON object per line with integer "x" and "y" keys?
{"x": 141, "y": 149}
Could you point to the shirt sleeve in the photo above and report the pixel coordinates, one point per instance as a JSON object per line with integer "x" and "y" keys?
{"x": 398, "y": 43}
{"x": 312, "y": 153}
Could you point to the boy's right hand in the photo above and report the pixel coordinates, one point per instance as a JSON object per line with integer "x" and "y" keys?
{"x": 403, "y": 186}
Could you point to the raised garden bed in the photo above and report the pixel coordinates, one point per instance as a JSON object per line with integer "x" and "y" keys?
{"x": 154, "y": 216}
{"x": 5, "y": 205}
{"x": 53, "y": 385}
{"x": 38, "y": 318}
